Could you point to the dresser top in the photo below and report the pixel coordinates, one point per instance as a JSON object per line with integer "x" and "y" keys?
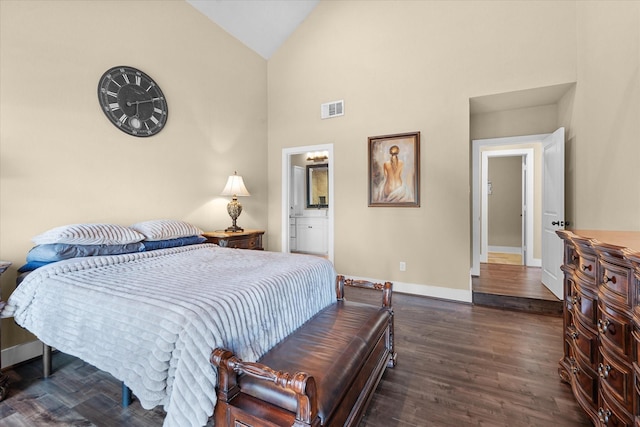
{"x": 627, "y": 239}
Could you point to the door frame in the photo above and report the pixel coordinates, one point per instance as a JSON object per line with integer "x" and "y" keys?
{"x": 286, "y": 190}
{"x": 476, "y": 215}
{"x": 528, "y": 164}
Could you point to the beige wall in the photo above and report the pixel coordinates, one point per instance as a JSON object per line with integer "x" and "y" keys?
{"x": 401, "y": 67}
{"x": 604, "y": 144}
{"x": 61, "y": 160}
{"x": 515, "y": 122}
{"x": 505, "y": 202}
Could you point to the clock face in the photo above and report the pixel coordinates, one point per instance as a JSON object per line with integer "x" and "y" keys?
{"x": 132, "y": 101}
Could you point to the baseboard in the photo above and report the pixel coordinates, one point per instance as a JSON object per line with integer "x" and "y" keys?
{"x": 460, "y": 295}
{"x": 505, "y": 249}
{"x": 21, "y": 353}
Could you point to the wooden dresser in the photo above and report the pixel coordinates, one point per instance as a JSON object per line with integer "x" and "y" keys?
{"x": 247, "y": 239}
{"x": 601, "y": 357}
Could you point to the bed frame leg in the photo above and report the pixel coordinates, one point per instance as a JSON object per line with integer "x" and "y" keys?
{"x": 46, "y": 372}
{"x": 126, "y": 395}
{"x": 46, "y": 360}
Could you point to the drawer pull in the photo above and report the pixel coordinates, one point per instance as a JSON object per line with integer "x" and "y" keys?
{"x": 586, "y": 267}
{"x": 603, "y": 415}
{"x": 603, "y": 370}
{"x": 604, "y": 326}
{"x": 607, "y": 279}
{"x": 575, "y": 300}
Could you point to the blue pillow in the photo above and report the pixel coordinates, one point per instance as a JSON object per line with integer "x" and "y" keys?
{"x": 151, "y": 245}
{"x": 58, "y": 251}
{"x": 30, "y": 266}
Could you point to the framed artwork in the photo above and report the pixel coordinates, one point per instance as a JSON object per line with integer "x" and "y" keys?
{"x": 394, "y": 170}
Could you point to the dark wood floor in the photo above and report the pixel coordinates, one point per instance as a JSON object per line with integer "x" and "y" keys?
{"x": 458, "y": 365}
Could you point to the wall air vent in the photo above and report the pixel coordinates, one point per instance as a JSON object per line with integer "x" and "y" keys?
{"x": 332, "y": 109}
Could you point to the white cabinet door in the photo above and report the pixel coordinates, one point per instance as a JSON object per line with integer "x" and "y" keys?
{"x": 311, "y": 235}
{"x": 293, "y": 240}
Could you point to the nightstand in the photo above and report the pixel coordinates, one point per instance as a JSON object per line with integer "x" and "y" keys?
{"x": 247, "y": 239}
{"x": 3, "y": 378}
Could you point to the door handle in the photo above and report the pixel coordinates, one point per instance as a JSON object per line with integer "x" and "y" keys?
{"x": 561, "y": 223}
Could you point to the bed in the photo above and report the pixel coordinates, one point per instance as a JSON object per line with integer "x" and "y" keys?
{"x": 152, "y": 318}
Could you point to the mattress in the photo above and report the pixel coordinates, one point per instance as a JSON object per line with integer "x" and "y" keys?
{"x": 151, "y": 319}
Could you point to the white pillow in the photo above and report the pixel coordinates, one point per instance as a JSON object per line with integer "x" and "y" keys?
{"x": 89, "y": 234}
{"x": 163, "y": 229}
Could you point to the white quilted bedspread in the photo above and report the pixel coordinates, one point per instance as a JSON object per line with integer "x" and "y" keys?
{"x": 151, "y": 319}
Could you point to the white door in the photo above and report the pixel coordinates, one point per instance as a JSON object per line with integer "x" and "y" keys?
{"x": 553, "y": 211}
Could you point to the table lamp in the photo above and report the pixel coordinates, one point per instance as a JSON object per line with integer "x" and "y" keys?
{"x": 235, "y": 187}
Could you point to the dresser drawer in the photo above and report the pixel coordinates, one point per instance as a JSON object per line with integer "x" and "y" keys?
{"x": 587, "y": 265}
{"x": 617, "y": 282}
{"x": 614, "y": 330}
{"x": 573, "y": 258}
{"x": 584, "y": 306}
{"x": 584, "y": 342}
{"x": 252, "y": 242}
{"x": 616, "y": 379}
{"x": 610, "y": 414}
{"x": 584, "y": 379}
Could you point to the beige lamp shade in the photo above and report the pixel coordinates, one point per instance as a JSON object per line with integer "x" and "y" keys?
{"x": 235, "y": 187}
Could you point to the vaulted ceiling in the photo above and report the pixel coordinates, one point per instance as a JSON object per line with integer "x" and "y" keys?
{"x": 262, "y": 25}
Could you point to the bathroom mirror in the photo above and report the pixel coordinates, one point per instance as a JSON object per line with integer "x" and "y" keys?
{"x": 318, "y": 186}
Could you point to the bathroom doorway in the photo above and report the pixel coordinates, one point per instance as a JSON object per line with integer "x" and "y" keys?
{"x": 297, "y": 211}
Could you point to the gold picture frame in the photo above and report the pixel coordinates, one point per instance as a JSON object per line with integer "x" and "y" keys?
{"x": 394, "y": 170}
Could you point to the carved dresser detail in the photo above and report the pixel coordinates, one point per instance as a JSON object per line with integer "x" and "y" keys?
{"x": 601, "y": 357}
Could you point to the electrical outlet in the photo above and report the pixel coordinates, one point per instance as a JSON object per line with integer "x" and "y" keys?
{"x": 403, "y": 266}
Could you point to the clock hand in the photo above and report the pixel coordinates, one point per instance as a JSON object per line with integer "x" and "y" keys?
{"x": 130, "y": 103}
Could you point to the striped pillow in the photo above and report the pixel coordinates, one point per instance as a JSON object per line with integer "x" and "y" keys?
{"x": 162, "y": 229}
{"x": 89, "y": 234}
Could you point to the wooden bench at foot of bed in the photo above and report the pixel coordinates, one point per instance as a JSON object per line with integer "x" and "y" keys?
{"x": 322, "y": 374}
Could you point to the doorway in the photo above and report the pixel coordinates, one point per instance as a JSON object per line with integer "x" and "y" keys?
{"x": 293, "y": 197}
{"x": 506, "y": 210}
{"x": 531, "y": 149}
{"x": 507, "y": 204}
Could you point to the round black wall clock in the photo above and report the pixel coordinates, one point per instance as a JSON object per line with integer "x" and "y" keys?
{"x": 132, "y": 101}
